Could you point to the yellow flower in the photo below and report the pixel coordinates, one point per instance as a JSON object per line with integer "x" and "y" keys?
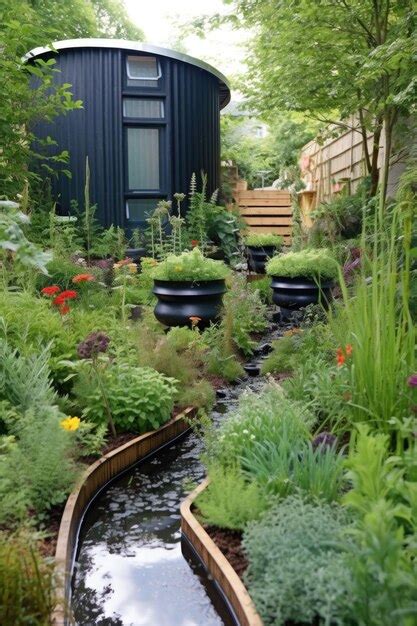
{"x": 70, "y": 423}
{"x": 178, "y": 268}
{"x": 132, "y": 268}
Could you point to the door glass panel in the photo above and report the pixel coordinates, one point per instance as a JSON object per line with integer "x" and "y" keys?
{"x": 139, "y": 209}
{"x": 143, "y": 108}
{"x": 143, "y": 158}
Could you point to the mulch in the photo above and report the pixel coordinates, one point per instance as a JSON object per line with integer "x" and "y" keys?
{"x": 229, "y": 543}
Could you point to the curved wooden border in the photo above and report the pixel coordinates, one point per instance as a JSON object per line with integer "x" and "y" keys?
{"x": 93, "y": 479}
{"x": 217, "y": 564}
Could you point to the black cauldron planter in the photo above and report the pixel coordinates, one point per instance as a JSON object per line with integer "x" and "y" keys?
{"x": 292, "y": 294}
{"x": 188, "y": 303}
{"x": 258, "y": 257}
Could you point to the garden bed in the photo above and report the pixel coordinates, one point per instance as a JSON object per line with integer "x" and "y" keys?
{"x": 216, "y": 562}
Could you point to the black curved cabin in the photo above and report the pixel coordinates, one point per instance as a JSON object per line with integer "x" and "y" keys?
{"x": 150, "y": 118}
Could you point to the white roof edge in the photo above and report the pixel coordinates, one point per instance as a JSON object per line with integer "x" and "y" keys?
{"x": 136, "y": 46}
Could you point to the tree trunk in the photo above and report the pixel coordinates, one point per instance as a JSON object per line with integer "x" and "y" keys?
{"x": 374, "y": 171}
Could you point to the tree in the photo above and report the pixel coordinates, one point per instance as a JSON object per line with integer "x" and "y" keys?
{"x": 84, "y": 18}
{"x": 335, "y": 60}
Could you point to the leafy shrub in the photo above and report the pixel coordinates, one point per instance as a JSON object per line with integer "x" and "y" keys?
{"x": 41, "y": 464}
{"x": 244, "y": 314}
{"x": 139, "y": 398}
{"x": 226, "y": 367}
{"x": 263, "y": 287}
{"x": 261, "y": 416}
{"x": 383, "y": 569}
{"x": 229, "y": 501}
{"x": 61, "y": 271}
{"x": 263, "y": 239}
{"x": 324, "y": 388}
{"x": 25, "y": 380}
{"x": 27, "y": 581}
{"x": 297, "y": 566}
{"x": 179, "y": 354}
{"x": 222, "y": 229}
{"x": 314, "y": 263}
{"x": 192, "y": 266}
{"x": 291, "y": 350}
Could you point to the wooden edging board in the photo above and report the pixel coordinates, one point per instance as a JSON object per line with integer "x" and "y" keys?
{"x": 91, "y": 482}
{"x": 217, "y": 564}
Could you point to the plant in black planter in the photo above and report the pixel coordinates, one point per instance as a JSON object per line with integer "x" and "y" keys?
{"x": 261, "y": 247}
{"x": 302, "y": 278}
{"x": 189, "y": 288}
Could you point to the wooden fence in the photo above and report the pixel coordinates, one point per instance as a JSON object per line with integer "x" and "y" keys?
{"x": 266, "y": 211}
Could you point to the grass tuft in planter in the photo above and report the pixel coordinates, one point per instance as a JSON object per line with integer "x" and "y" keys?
{"x": 261, "y": 240}
{"x": 190, "y": 266}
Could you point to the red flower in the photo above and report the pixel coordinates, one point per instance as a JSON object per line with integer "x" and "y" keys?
{"x": 64, "y": 309}
{"x": 348, "y": 349}
{"x": 82, "y": 278}
{"x": 64, "y": 296}
{"x": 50, "y": 291}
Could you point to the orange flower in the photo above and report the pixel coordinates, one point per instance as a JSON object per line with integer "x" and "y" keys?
{"x": 64, "y": 309}
{"x": 348, "y": 349}
{"x": 82, "y": 278}
{"x": 194, "y": 319}
{"x": 340, "y": 360}
{"x": 194, "y": 243}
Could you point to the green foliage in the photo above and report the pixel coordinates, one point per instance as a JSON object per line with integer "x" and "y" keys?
{"x": 91, "y": 438}
{"x": 222, "y": 228}
{"x": 244, "y": 315}
{"x": 297, "y": 566}
{"x": 27, "y": 581}
{"x": 277, "y": 153}
{"x": 229, "y": 501}
{"x": 61, "y": 271}
{"x": 15, "y": 249}
{"x": 260, "y": 417}
{"x": 290, "y": 464}
{"x": 316, "y": 264}
{"x": 41, "y": 465}
{"x": 339, "y": 218}
{"x": 263, "y": 239}
{"x": 324, "y": 388}
{"x": 377, "y": 322}
{"x": 359, "y": 62}
{"x": 111, "y": 242}
{"x": 263, "y": 287}
{"x": 383, "y": 568}
{"x": 226, "y": 367}
{"x": 179, "y": 354}
{"x": 25, "y": 380}
{"x": 190, "y": 266}
{"x": 140, "y": 398}
{"x": 27, "y": 93}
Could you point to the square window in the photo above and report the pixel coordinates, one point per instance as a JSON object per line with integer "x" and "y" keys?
{"x": 145, "y": 108}
{"x": 143, "y": 158}
{"x": 143, "y": 71}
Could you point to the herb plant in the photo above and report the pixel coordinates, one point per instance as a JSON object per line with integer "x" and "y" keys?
{"x": 190, "y": 266}
{"x": 315, "y": 264}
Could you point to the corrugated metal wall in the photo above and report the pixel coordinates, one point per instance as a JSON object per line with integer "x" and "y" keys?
{"x": 96, "y": 131}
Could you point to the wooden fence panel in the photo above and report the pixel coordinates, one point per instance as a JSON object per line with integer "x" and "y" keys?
{"x": 266, "y": 211}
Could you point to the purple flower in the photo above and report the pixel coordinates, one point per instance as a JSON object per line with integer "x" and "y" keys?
{"x": 93, "y": 344}
{"x": 412, "y": 380}
{"x": 324, "y": 440}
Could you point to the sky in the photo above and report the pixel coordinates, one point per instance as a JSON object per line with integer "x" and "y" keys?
{"x": 160, "y": 19}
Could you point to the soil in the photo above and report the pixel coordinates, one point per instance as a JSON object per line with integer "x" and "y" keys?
{"x": 229, "y": 543}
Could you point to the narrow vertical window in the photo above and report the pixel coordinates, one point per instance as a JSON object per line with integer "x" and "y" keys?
{"x": 143, "y": 158}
